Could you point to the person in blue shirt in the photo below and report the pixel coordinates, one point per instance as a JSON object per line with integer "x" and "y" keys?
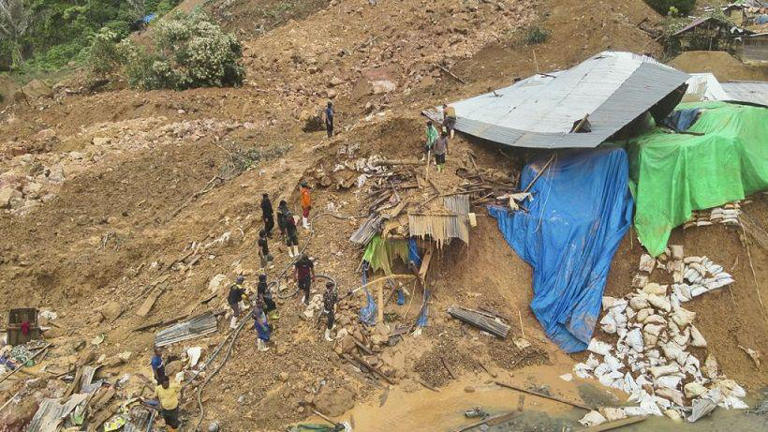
{"x": 329, "y": 113}
{"x": 158, "y": 366}
{"x": 261, "y": 325}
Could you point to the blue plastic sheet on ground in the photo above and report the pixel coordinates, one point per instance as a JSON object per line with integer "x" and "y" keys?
{"x": 581, "y": 209}
{"x": 368, "y": 312}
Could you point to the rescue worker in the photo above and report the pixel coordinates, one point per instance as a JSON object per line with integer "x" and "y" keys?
{"x": 449, "y": 118}
{"x": 158, "y": 366}
{"x": 168, "y": 394}
{"x": 291, "y": 236}
{"x": 306, "y": 204}
{"x": 282, "y": 216}
{"x": 267, "y": 214}
{"x": 304, "y": 275}
{"x": 261, "y": 325}
{"x": 441, "y": 148}
{"x": 236, "y": 292}
{"x": 264, "y": 256}
{"x": 330, "y": 298}
{"x": 329, "y": 114}
{"x": 431, "y": 139}
{"x": 265, "y": 295}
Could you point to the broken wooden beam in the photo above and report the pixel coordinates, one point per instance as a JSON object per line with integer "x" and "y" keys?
{"x": 480, "y": 320}
{"x": 490, "y": 421}
{"x": 614, "y": 424}
{"x": 545, "y": 396}
{"x": 368, "y": 366}
{"x": 451, "y": 74}
{"x": 448, "y": 368}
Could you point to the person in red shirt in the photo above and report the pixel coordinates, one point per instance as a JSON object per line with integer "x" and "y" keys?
{"x": 304, "y": 274}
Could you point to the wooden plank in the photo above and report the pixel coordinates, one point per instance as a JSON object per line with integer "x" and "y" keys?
{"x": 615, "y": 424}
{"x": 146, "y": 306}
{"x": 161, "y": 323}
{"x": 545, "y": 396}
{"x": 425, "y": 265}
{"x": 490, "y": 421}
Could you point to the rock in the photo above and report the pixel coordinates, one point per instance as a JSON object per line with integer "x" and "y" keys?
{"x": 382, "y": 86}
{"x": 32, "y": 189}
{"x": 335, "y": 402}
{"x": 283, "y": 376}
{"x": 112, "y": 311}
{"x": 335, "y": 82}
{"x": 216, "y": 282}
{"x": 213, "y": 426}
{"x": 7, "y": 195}
{"x": 36, "y": 89}
{"x": 45, "y": 135}
{"x": 56, "y": 174}
{"x": 173, "y": 368}
{"x": 469, "y": 389}
{"x": 99, "y": 141}
{"x": 331, "y": 93}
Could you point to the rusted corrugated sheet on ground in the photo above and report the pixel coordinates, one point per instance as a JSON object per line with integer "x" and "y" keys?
{"x": 367, "y": 230}
{"x": 200, "y": 325}
{"x": 51, "y": 413}
{"x": 441, "y": 226}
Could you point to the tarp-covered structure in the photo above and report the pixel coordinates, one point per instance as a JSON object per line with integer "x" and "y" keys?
{"x": 581, "y": 210}
{"x": 674, "y": 174}
{"x": 577, "y": 108}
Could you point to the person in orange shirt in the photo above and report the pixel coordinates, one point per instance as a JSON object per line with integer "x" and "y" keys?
{"x": 306, "y": 204}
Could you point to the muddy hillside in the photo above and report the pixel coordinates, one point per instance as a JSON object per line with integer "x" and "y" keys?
{"x": 126, "y": 217}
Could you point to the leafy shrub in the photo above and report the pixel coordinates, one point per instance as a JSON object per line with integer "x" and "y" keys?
{"x": 188, "y": 51}
{"x": 674, "y": 7}
{"x": 536, "y": 35}
{"x": 104, "y": 54}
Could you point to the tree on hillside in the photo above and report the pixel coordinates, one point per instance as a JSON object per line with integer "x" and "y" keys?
{"x": 14, "y": 21}
{"x": 138, "y": 8}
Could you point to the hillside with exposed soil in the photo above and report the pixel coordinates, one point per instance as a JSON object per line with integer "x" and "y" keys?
{"x": 117, "y": 194}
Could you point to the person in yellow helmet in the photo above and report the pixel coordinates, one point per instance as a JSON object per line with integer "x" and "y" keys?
{"x": 168, "y": 394}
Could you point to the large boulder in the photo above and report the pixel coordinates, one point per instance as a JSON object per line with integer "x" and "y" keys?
{"x": 36, "y": 89}
{"x": 7, "y": 196}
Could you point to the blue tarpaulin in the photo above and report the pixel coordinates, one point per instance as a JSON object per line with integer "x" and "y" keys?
{"x": 580, "y": 211}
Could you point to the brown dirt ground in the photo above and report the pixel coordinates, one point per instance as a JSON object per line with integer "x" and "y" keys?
{"x": 51, "y": 257}
{"x": 724, "y": 66}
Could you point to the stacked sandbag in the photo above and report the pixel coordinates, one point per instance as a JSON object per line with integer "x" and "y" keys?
{"x": 651, "y": 360}
{"x": 726, "y": 215}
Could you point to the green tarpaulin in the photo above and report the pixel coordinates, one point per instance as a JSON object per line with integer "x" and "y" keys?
{"x": 382, "y": 253}
{"x": 674, "y": 174}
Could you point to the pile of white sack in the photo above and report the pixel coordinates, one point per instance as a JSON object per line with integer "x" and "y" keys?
{"x": 726, "y": 215}
{"x": 650, "y": 361}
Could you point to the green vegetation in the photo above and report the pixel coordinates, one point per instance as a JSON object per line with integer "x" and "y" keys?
{"x": 58, "y": 32}
{"x": 672, "y": 7}
{"x": 535, "y": 35}
{"x": 186, "y": 51}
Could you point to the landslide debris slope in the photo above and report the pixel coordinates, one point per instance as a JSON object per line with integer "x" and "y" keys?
{"x": 114, "y": 192}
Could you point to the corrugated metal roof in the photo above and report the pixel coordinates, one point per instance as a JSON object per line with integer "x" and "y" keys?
{"x": 195, "y": 327}
{"x": 367, "y": 230}
{"x": 747, "y": 91}
{"x": 612, "y": 88}
{"x": 51, "y": 413}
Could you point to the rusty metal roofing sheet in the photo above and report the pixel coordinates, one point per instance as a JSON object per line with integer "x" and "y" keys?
{"x": 612, "y": 88}
{"x": 51, "y": 413}
{"x": 367, "y": 230}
